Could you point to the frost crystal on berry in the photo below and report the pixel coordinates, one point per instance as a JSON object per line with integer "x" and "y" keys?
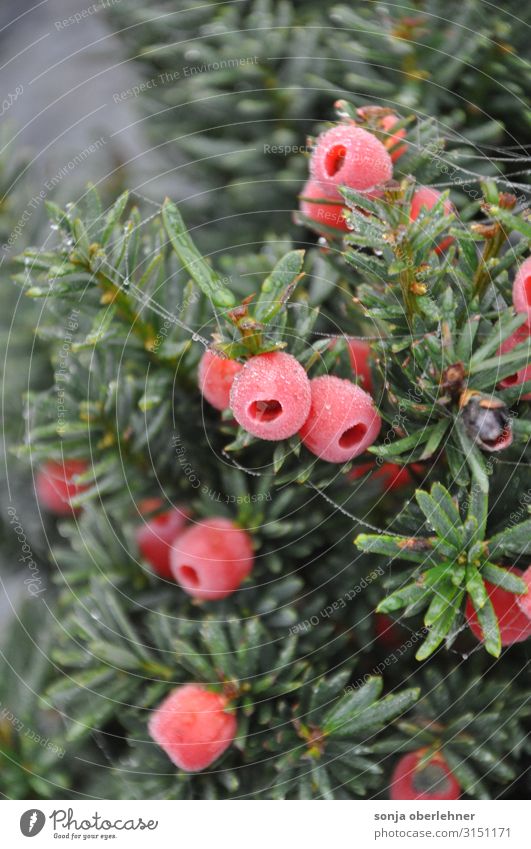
{"x": 342, "y": 421}
{"x": 270, "y": 397}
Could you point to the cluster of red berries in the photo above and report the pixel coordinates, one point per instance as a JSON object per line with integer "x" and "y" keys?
{"x": 348, "y": 155}
{"x": 209, "y": 559}
{"x": 272, "y": 398}
{"x": 522, "y": 304}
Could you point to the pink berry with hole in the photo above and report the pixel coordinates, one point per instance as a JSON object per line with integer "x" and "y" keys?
{"x": 320, "y": 207}
{"x": 215, "y": 377}
{"x": 270, "y": 397}
{"x": 342, "y": 422}
{"x": 522, "y": 289}
{"x": 156, "y": 535}
{"x": 347, "y": 155}
{"x": 425, "y": 199}
{"x": 193, "y": 727}
{"x": 55, "y": 485}
{"x": 212, "y": 558}
{"x": 524, "y": 600}
{"x": 521, "y": 334}
{"x": 391, "y": 143}
{"x": 359, "y": 353}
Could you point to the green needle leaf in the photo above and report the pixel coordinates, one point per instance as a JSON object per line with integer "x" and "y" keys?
{"x": 278, "y": 286}
{"x": 196, "y": 265}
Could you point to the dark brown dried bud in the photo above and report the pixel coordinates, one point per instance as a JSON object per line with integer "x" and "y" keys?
{"x": 488, "y": 231}
{"x": 452, "y": 380}
{"x": 487, "y": 421}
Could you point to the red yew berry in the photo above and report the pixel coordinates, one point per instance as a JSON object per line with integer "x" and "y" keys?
{"x": 321, "y": 207}
{"x": 193, "y": 727}
{"x": 359, "y": 353}
{"x": 215, "y": 377}
{"x": 521, "y": 334}
{"x": 156, "y": 535}
{"x": 390, "y": 475}
{"x": 342, "y": 421}
{"x": 388, "y": 632}
{"x": 391, "y": 143}
{"x": 423, "y": 782}
{"x": 212, "y": 558}
{"x": 55, "y": 485}
{"x": 270, "y": 397}
{"x": 524, "y": 600}
{"x": 515, "y": 625}
{"x": 522, "y": 289}
{"x": 393, "y": 476}
{"x": 425, "y": 198}
{"x": 350, "y": 156}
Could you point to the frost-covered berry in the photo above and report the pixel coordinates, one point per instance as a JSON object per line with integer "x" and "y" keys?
{"x": 524, "y": 600}
{"x": 359, "y": 353}
{"x": 193, "y": 727}
{"x": 350, "y": 156}
{"x": 413, "y": 778}
{"x": 391, "y": 143}
{"x": 215, "y": 377}
{"x": 211, "y": 558}
{"x": 55, "y": 485}
{"x": 319, "y": 204}
{"x": 425, "y": 198}
{"x": 521, "y": 334}
{"x": 515, "y": 625}
{"x": 270, "y": 397}
{"x": 522, "y": 289}
{"x": 156, "y": 535}
{"x": 342, "y": 421}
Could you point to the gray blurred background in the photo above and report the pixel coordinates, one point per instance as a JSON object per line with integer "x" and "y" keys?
{"x": 61, "y": 78}
{"x": 68, "y": 74}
